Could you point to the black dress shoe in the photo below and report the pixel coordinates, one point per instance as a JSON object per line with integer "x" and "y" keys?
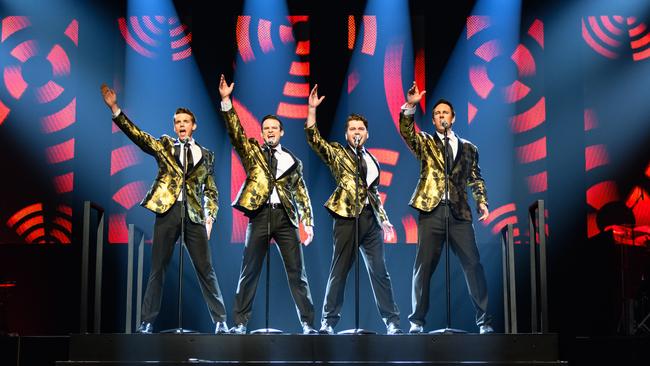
{"x": 238, "y": 329}
{"x": 220, "y": 328}
{"x": 486, "y": 329}
{"x": 145, "y": 328}
{"x": 392, "y": 329}
{"x": 326, "y": 329}
{"x": 416, "y": 328}
{"x": 308, "y": 329}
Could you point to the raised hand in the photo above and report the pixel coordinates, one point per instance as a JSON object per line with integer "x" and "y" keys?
{"x": 314, "y": 100}
{"x": 110, "y": 97}
{"x": 224, "y": 89}
{"x": 413, "y": 96}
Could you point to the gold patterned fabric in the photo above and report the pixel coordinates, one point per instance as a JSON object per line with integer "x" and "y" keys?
{"x": 343, "y": 165}
{"x": 431, "y": 185}
{"x": 258, "y": 186}
{"x": 202, "y": 195}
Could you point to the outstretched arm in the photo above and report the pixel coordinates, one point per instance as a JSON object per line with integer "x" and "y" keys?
{"x": 145, "y": 141}
{"x": 225, "y": 90}
{"x": 406, "y": 123}
{"x": 314, "y": 102}
{"x": 324, "y": 150}
{"x": 236, "y": 132}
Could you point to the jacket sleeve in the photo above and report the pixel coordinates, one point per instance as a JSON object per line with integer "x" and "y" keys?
{"x": 238, "y": 138}
{"x": 412, "y": 138}
{"x": 143, "y": 140}
{"x": 475, "y": 180}
{"x": 323, "y": 149}
{"x": 303, "y": 201}
{"x": 381, "y": 212}
{"x": 210, "y": 192}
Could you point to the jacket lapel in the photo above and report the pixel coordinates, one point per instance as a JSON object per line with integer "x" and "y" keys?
{"x": 200, "y": 161}
{"x": 459, "y": 153}
{"x": 292, "y": 167}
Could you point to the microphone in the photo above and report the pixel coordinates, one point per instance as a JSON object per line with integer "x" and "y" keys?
{"x": 445, "y": 124}
{"x": 185, "y": 140}
{"x": 357, "y": 140}
{"x": 270, "y": 142}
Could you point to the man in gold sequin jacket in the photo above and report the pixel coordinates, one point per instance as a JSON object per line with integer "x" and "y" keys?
{"x": 351, "y": 164}
{"x": 274, "y": 192}
{"x": 165, "y": 199}
{"x": 435, "y": 207}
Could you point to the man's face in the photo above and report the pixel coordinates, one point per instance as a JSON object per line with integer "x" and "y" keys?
{"x": 356, "y": 127}
{"x": 271, "y": 131}
{"x": 184, "y": 126}
{"x": 442, "y": 112}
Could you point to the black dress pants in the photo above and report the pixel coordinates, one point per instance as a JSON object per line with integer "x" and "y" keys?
{"x": 431, "y": 237}
{"x": 371, "y": 244}
{"x": 167, "y": 230}
{"x": 257, "y": 244}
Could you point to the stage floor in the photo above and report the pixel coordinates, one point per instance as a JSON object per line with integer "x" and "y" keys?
{"x": 520, "y": 349}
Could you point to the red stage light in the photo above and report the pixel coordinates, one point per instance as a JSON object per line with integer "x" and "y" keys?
{"x": 130, "y": 194}
{"x": 605, "y": 35}
{"x": 264, "y": 35}
{"x": 48, "y": 92}
{"x": 476, "y": 23}
{"x": 63, "y": 183}
{"x": 538, "y": 182}
{"x": 124, "y": 157}
{"x": 61, "y": 119}
{"x": 33, "y": 225}
{"x": 118, "y": 231}
{"x": 148, "y": 40}
{"x": 299, "y": 68}
{"x": 298, "y": 90}
{"x": 13, "y": 24}
{"x": 595, "y": 156}
{"x": 529, "y": 119}
{"x": 61, "y": 152}
{"x": 496, "y": 216}
{"x": 602, "y": 193}
{"x": 534, "y": 151}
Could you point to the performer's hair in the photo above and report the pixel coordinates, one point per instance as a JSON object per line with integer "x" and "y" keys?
{"x": 444, "y": 101}
{"x": 273, "y": 116}
{"x": 356, "y": 117}
{"x": 186, "y": 111}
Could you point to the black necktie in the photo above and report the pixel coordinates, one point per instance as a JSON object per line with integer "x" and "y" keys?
{"x": 364, "y": 166}
{"x": 188, "y": 154}
{"x": 273, "y": 165}
{"x": 450, "y": 154}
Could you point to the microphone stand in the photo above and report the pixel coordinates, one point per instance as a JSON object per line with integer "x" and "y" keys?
{"x": 266, "y": 329}
{"x": 180, "y": 329}
{"x": 448, "y": 329}
{"x": 356, "y": 329}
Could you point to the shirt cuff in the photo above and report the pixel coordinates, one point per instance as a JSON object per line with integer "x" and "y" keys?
{"x": 226, "y": 105}
{"x": 408, "y": 111}
{"x": 117, "y": 113}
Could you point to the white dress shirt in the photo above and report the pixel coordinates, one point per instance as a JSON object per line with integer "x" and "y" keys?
{"x": 285, "y": 162}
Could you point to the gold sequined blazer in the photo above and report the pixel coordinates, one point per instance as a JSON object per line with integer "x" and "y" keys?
{"x": 465, "y": 172}
{"x": 258, "y": 186}
{"x": 343, "y": 165}
{"x": 202, "y": 195}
